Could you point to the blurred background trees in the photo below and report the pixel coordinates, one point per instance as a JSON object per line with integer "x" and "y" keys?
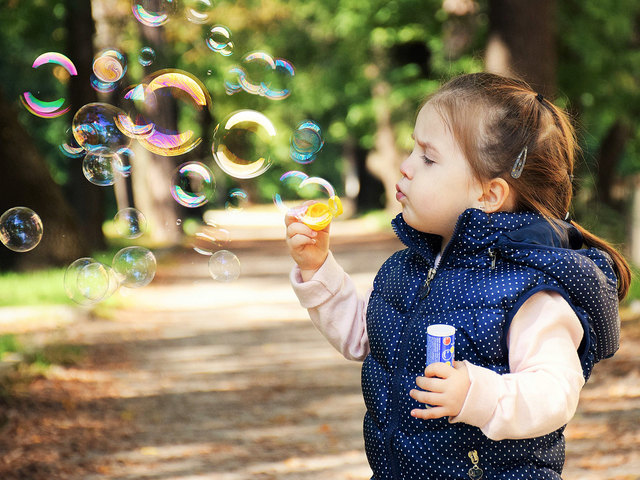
{"x": 362, "y": 69}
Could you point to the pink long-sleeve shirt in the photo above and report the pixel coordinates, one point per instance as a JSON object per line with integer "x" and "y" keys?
{"x": 539, "y": 395}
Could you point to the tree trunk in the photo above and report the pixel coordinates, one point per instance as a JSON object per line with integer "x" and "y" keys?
{"x": 522, "y": 42}
{"x": 385, "y": 158}
{"x": 609, "y": 155}
{"x": 86, "y": 199}
{"x": 26, "y": 182}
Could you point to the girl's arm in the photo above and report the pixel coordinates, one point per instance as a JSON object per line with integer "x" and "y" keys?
{"x": 541, "y": 394}
{"x": 335, "y": 308}
{"x": 326, "y": 291}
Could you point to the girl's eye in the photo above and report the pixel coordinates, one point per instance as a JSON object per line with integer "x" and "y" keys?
{"x": 427, "y": 160}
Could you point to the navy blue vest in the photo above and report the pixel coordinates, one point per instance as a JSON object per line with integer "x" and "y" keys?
{"x": 492, "y": 264}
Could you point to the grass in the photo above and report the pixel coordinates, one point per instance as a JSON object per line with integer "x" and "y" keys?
{"x": 43, "y": 287}
{"x": 8, "y": 344}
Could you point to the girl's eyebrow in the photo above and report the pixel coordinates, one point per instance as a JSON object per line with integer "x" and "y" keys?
{"x": 425, "y": 145}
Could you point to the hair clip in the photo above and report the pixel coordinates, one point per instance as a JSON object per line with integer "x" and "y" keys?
{"x": 518, "y": 166}
{"x": 539, "y": 97}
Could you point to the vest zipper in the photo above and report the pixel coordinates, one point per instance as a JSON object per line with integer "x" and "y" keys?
{"x": 426, "y": 286}
{"x": 475, "y": 472}
{"x": 493, "y": 255}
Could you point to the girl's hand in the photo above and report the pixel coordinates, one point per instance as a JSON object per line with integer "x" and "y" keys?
{"x": 307, "y": 247}
{"x": 445, "y": 388}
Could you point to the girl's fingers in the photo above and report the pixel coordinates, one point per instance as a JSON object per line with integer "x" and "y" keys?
{"x": 428, "y": 413}
{"x": 297, "y": 241}
{"x": 299, "y": 228}
{"x": 439, "y": 369}
{"x": 429, "y": 398}
{"x": 432, "y": 384}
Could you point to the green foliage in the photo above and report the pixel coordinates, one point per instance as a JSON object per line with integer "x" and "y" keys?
{"x": 599, "y": 70}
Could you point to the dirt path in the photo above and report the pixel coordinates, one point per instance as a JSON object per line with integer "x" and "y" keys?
{"x": 202, "y": 380}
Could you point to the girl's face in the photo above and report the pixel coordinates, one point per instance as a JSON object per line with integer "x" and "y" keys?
{"x": 437, "y": 183}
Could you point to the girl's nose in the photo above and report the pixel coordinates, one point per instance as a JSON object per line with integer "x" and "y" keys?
{"x": 405, "y": 169}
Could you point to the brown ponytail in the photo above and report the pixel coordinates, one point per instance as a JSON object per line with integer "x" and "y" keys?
{"x": 493, "y": 118}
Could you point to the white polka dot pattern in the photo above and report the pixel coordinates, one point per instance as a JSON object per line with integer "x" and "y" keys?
{"x": 493, "y": 263}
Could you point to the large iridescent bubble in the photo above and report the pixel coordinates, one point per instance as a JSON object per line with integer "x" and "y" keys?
{"x": 180, "y": 86}
{"x": 242, "y": 144}
{"x": 49, "y": 108}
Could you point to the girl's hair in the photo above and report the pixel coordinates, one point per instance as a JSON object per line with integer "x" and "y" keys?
{"x": 492, "y": 119}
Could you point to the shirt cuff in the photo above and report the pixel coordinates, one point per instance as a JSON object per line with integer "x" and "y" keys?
{"x": 325, "y": 283}
{"x": 482, "y": 398}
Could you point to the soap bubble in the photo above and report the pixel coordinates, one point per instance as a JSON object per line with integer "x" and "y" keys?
{"x": 242, "y": 144}
{"x": 219, "y": 40}
{"x": 277, "y": 86}
{"x": 210, "y": 238}
{"x": 193, "y": 184}
{"x": 146, "y": 56}
{"x": 306, "y": 142}
{"x": 20, "y": 229}
{"x": 130, "y": 223}
{"x": 94, "y": 128}
{"x": 137, "y": 103}
{"x": 224, "y": 266}
{"x": 177, "y": 85}
{"x": 236, "y": 200}
{"x": 101, "y": 86}
{"x": 109, "y": 65}
{"x": 71, "y": 148}
{"x": 134, "y": 266}
{"x": 153, "y": 13}
{"x": 59, "y": 106}
{"x": 289, "y": 195}
{"x": 100, "y": 167}
{"x": 88, "y": 281}
{"x": 198, "y": 11}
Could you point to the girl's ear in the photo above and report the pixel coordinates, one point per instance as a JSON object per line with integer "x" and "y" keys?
{"x": 497, "y": 196}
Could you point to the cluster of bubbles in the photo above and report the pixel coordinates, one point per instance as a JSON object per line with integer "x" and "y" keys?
{"x": 101, "y": 134}
{"x": 261, "y": 74}
{"x": 87, "y": 281}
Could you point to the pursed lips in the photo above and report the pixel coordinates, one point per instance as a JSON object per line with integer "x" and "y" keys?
{"x": 399, "y": 193}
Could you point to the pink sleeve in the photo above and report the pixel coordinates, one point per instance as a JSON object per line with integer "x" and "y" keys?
{"x": 335, "y": 308}
{"x": 541, "y": 393}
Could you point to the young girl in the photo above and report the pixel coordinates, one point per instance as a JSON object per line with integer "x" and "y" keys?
{"x": 491, "y": 250}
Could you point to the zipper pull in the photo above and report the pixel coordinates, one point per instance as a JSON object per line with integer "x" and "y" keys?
{"x": 493, "y": 255}
{"x": 426, "y": 287}
{"x": 475, "y": 472}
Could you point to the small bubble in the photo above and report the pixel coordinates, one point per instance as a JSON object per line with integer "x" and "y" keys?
{"x": 193, "y": 184}
{"x": 109, "y": 65}
{"x": 20, "y": 229}
{"x": 130, "y": 223}
{"x": 236, "y": 200}
{"x": 219, "y": 40}
{"x": 101, "y": 167}
{"x": 134, "y": 266}
{"x": 146, "y": 56}
{"x": 224, "y": 266}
